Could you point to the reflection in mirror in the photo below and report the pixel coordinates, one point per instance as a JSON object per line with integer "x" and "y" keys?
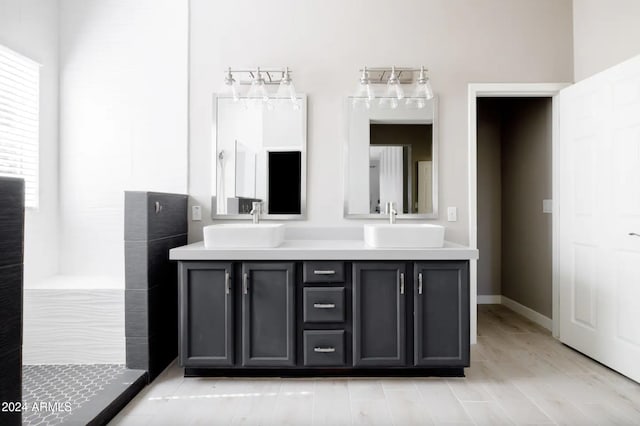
{"x": 260, "y": 155}
{"x": 399, "y": 149}
{"x": 400, "y": 167}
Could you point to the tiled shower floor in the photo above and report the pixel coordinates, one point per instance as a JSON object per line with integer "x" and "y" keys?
{"x": 69, "y": 385}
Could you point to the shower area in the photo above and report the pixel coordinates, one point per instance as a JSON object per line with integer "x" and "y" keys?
{"x": 99, "y": 128}
{"x": 61, "y": 340}
{"x": 76, "y": 348}
{"x": 73, "y": 345}
{"x": 91, "y": 342}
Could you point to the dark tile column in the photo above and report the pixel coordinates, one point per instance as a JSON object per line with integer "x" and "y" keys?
{"x": 154, "y": 224}
{"x": 11, "y": 287}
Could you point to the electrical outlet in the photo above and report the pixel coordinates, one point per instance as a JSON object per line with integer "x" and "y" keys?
{"x": 196, "y": 213}
{"x": 452, "y": 214}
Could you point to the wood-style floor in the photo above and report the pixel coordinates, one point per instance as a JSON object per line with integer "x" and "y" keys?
{"x": 519, "y": 374}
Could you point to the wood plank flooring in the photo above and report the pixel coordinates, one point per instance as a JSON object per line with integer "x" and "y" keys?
{"x": 519, "y": 374}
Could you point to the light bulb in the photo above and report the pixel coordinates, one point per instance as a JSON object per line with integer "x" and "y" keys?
{"x": 364, "y": 92}
{"x": 422, "y": 91}
{"x": 286, "y": 88}
{"x": 258, "y": 89}
{"x": 423, "y": 86}
{"x": 231, "y": 86}
{"x": 393, "y": 86}
{"x": 394, "y": 91}
{"x": 428, "y": 91}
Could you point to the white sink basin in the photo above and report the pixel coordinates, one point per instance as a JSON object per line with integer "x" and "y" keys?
{"x": 404, "y": 235}
{"x": 242, "y": 235}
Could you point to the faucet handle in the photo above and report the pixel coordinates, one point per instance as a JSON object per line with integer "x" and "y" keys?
{"x": 256, "y": 206}
{"x": 388, "y": 207}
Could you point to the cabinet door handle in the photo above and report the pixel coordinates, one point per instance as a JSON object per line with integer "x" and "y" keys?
{"x": 324, "y": 272}
{"x": 324, "y": 305}
{"x": 420, "y": 283}
{"x": 245, "y": 283}
{"x": 401, "y": 282}
{"x": 227, "y": 282}
{"x": 324, "y": 350}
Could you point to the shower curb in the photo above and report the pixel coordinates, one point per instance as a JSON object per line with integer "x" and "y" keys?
{"x": 115, "y": 396}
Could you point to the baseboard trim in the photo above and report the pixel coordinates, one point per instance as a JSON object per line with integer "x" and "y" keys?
{"x": 489, "y": 299}
{"x": 528, "y": 313}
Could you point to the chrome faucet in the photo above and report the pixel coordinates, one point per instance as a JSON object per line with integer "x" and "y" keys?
{"x": 256, "y": 210}
{"x": 390, "y": 209}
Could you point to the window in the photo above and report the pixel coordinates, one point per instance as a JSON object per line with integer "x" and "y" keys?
{"x": 19, "y": 120}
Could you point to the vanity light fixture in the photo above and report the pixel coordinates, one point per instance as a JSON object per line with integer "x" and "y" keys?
{"x": 258, "y": 89}
{"x": 365, "y": 89}
{"x": 286, "y": 88}
{"x": 259, "y": 79}
{"x": 394, "y": 77}
{"x": 394, "y": 92}
{"x": 423, "y": 90}
{"x": 231, "y": 86}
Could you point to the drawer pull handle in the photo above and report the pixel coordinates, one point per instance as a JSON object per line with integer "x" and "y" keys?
{"x": 324, "y": 305}
{"x": 324, "y": 272}
{"x": 420, "y": 283}
{"x": 245, "y": 283}
{"x": 401, "y": 282}
{"x": 324, "y": 350}
{"x": 227, "y": 282}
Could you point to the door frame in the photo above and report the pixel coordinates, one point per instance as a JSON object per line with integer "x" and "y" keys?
{"x": 509, "y": 90}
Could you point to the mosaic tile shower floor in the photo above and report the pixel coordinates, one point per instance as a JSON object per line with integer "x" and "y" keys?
{"x": 58, "y": 390}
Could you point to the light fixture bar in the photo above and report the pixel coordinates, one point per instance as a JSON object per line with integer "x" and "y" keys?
{"x": 393, "y": 78}
{"x": 388, "y": 69}
{"x": 380, "y": 75}
{"x": 271, "y": 75}
{"x": 258, "y": 79}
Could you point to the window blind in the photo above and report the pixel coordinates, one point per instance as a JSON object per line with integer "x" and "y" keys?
{"x": 19, "y": 120}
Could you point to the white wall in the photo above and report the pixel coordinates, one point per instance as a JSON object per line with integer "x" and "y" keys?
{"x": 326, "y": 42}
{"x": 30, "y": 27}
{"x": 123, "y": 120}
{"x": 605, "y": 33}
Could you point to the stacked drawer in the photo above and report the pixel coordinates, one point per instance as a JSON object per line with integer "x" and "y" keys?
{"x": 324, "y": 314}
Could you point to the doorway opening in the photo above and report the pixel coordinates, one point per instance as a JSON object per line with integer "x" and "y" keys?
{"x": 514, "y": 190}
{"x": 506, "y": 90}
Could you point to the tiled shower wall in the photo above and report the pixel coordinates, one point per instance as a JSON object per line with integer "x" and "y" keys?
{"x": 154, "y": 223}
{"x": 11, "y": 267}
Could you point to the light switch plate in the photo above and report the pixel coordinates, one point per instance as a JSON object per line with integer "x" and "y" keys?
{"x": 452, "y": 214}
{"x": 196, "y": 213}
{"x": 547, "y": 206}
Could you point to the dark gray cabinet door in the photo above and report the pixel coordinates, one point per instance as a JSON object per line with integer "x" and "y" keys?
{"x": 268, "y": 314}
{"x": 206, "y": 314}
{"x": 441, "y": 316}
{"x": 379, "y": 307}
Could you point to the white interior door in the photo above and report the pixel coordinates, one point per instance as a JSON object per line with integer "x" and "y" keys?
{"x": 391, "y": 176}
{"x": 599, "y": 211}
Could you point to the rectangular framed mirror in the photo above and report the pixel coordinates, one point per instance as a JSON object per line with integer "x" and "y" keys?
{"x": 259, "y": 154}
{"x": 392, "y": 156}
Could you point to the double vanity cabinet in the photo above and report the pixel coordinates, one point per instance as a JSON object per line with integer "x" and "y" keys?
{"x": 253, "y": 316}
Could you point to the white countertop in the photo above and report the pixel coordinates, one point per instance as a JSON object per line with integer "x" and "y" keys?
{"x": 323, "y": 250}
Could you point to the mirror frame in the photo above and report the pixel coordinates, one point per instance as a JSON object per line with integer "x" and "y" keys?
{"x": 302, "y": 97}
{"x": 434, "y": 155}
